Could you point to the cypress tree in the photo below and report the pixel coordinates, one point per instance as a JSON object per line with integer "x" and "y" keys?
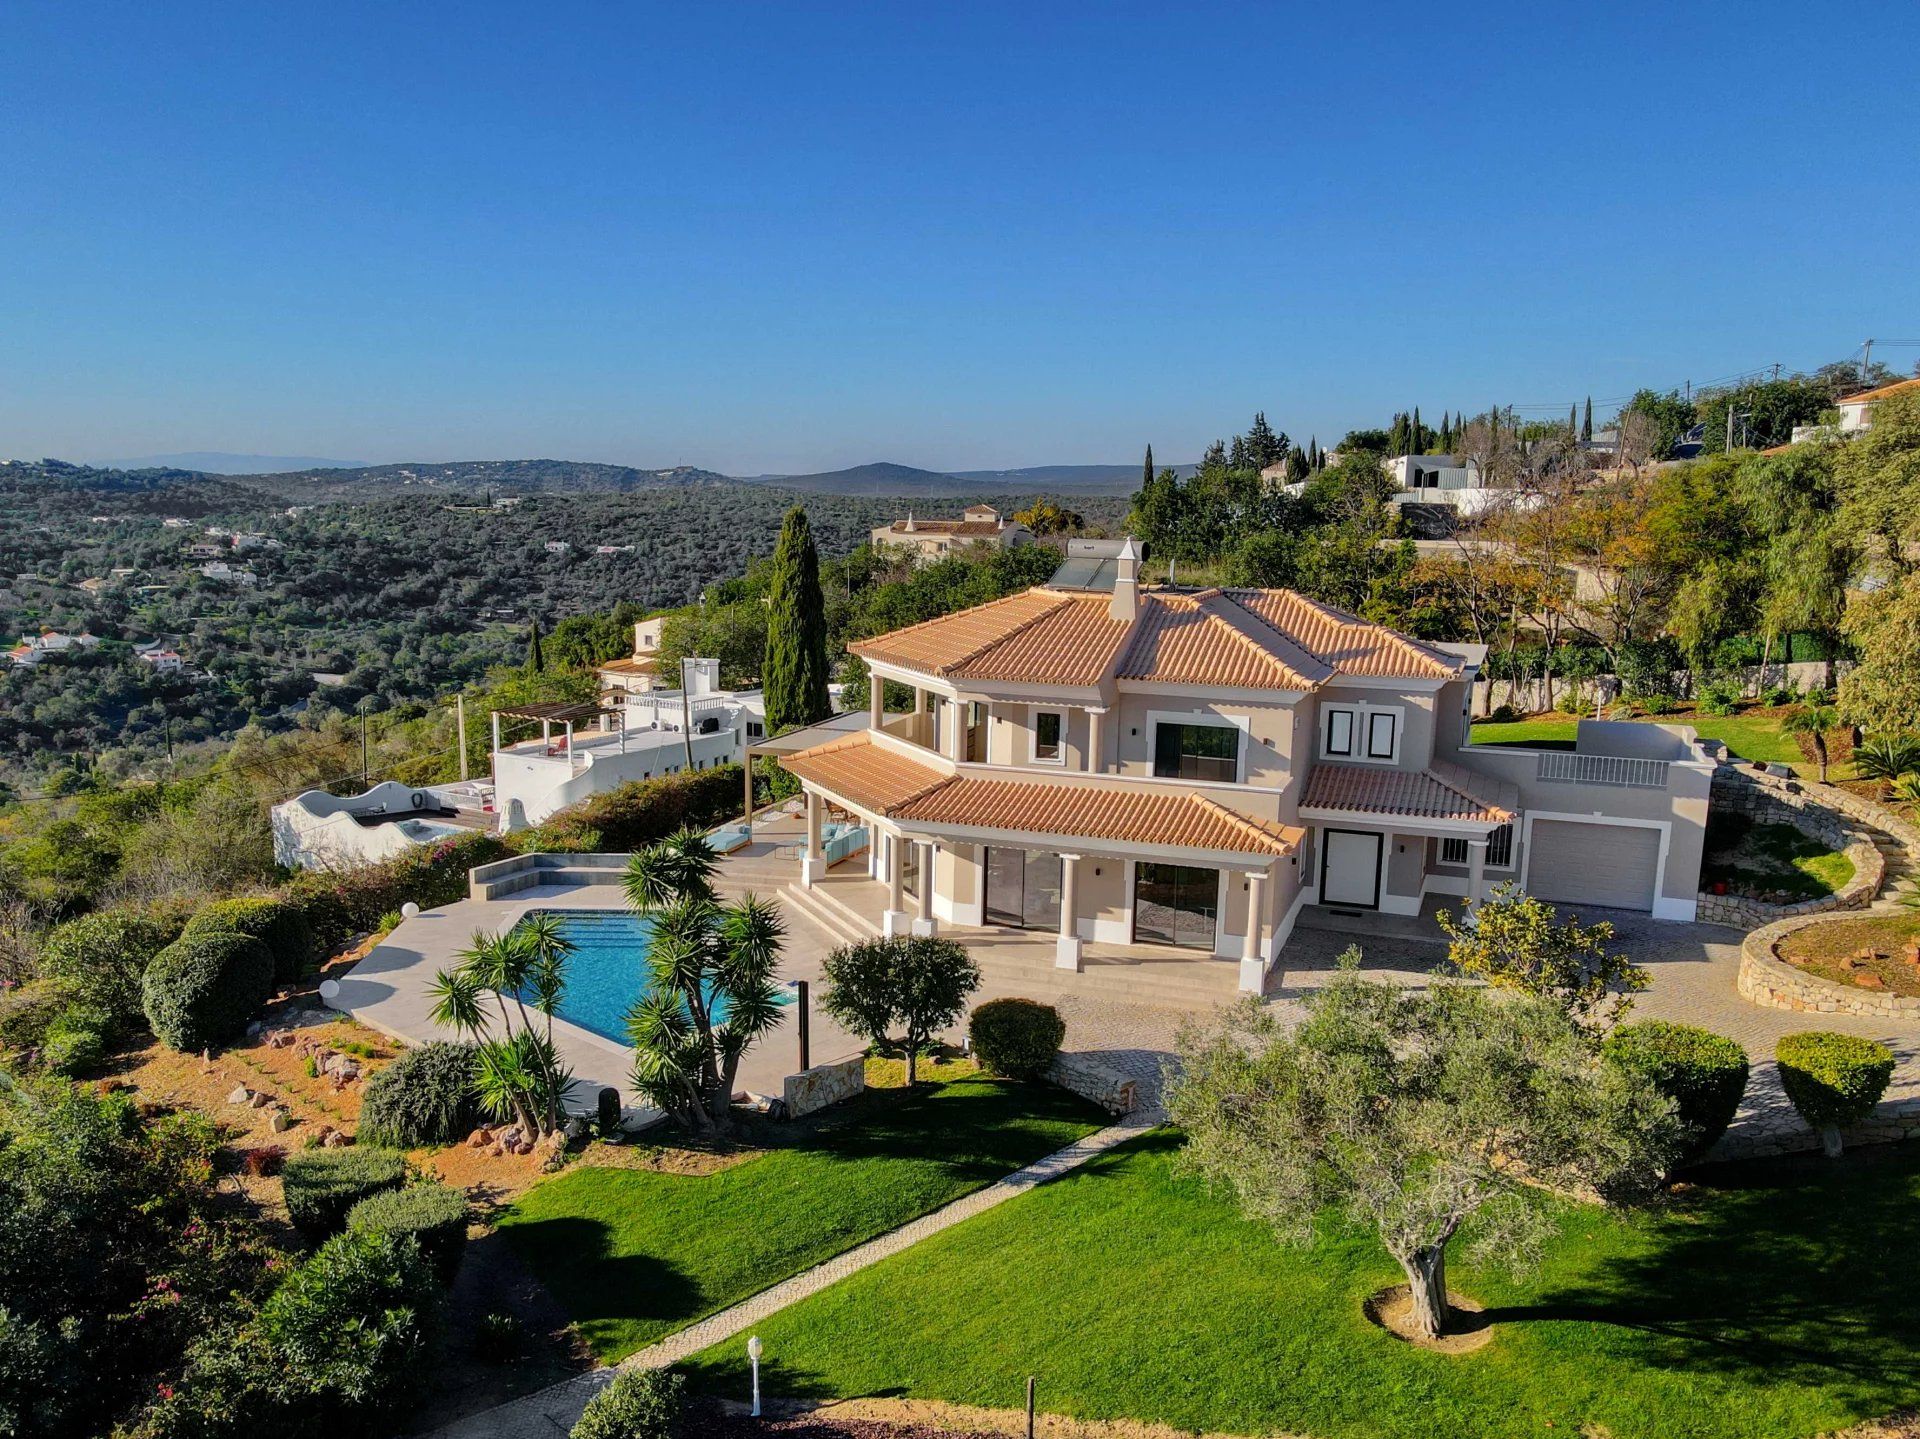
{"x": 796, "y": 670}
{"x": 1586, "y": 424}
{"x": 1146, "y": 479}
{"x": 536, "y": 661}
{"x": 1416, "y": 447}
{"x": 1573, "y": 428}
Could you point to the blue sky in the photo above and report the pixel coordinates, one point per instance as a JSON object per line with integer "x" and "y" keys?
{"x": 796, "y": 236}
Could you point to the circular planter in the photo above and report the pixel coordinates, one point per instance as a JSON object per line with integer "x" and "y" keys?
{"x": 1766, "y": 979}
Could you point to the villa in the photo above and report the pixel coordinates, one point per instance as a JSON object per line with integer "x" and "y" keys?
{"x": 932, "y": 539}
{"x": 317, "y": 830}
{"x": 1118, "y": 764}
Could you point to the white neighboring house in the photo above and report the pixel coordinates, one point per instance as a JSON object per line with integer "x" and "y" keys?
{"x": 1451, "y": 480}
{"x": 588, "y": 749}
{"x": 222, "y": 573}
{"x": 639, "y": 674}
{"x": 317, "y": 830}
{"x": 160, "y": 658}
{"x": 34, "y": 648}
{"x": 931, "y": 539}
{"x": 1856, "y": 412}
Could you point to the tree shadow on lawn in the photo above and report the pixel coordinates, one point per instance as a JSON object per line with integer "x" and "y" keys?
{"x": 575, "y": 1262}
{"x": 1782, "y": 1271}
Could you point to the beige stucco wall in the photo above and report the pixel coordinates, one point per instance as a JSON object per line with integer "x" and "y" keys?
{"x": 1266, "y": 753}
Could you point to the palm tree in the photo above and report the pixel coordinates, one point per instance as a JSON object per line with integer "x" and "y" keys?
{"x": 1815, "y": 719}
{"x": 713, "y": 993}
{"x": 518, "y": 1072}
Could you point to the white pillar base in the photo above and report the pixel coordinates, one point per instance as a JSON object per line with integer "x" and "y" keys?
{"x": 1066, "y": 952}
{"x": 1253, "y": 976}
{"x": 926, "y": 928}
{"x": 812, "y": 870}
{"x": 896, "y": 922}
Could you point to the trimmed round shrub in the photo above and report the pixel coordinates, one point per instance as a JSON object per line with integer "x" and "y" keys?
{"x": 638, "y": 1404}
{"x": 1016, "y": 1037}
{"x": 433, "y": 1215}
{"x": 352, "y": 1328}
{"x": 202, "y": 989}
{"x": 321, "y": 1186}
{"x": 1703, "y": 1073}
{"x": 77, "y": 1041}
{"x": 29, "y": 1011}
{"x": 103, "y": 956}
{"x": 1834, "y": 1080}
{"x": 275, "y": 923}
{"x": 424, "y": 1097}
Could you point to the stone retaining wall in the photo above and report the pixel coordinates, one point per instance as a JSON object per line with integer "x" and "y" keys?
{"x": 1767, "y": 979}
{"x": 1093, "y": 1077}
{"x": 824, "y": 1084}
{"x": 1892, "y": 1120}
{"x": 1831, "y": 816}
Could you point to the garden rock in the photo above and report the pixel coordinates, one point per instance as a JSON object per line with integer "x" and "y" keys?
{"x": 241, "y": 1095}
{"x": 279, "y": 1122}
{"x": 261, "y": 1099}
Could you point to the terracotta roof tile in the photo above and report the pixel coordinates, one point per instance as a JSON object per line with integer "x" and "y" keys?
{"x": 1039, "y": 635}
{"x": 1897, "y": 387}
{"x": 1444, "y": 792}
{"x": 948, "y": 527}
{"x": 629, "y": 667}
{"x": 1351, "y": 645}
{"x": 1209, "y": 639}
{"x": 863, "y": 773}
{"x": 879, "y": 778}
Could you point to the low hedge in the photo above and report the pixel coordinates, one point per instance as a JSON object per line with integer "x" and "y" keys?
{"x": 78, "y": 1040}
{"x": 641, "y": 813}
{"x": 433, "y": 1215}
{"x": 321, "y": 1186}
{"x": 280, "y": 926}
{"x": 638, "y": 1404}
{"x": 337, "y": 905}
{"x": 103, "y": 956}
{"x": 1017, "y": 1038}
{"x": 424, "y": 1097}
{"x": 201, "y": 991}
{"x": 29, "y": 1011}
{"x": 1834, "y": 1080}
{"x": 1703, "y": 1073}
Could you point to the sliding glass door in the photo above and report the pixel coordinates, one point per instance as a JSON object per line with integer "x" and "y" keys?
{"x": 1175, "y": 904}
{"x": 1023, "y": 889}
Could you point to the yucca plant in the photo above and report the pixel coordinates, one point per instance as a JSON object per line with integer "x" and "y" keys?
{"x": 1816, "y": 720}
{"x": 518, "y": 1073}
{"x": 1888, "y": 757}
{"x": 713, "y": 992}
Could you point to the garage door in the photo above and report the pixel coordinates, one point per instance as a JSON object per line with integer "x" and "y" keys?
{"x": 1605, "y": 864}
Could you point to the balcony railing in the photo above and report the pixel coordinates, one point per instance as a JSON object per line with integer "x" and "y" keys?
{"x": 1561, "y": 767}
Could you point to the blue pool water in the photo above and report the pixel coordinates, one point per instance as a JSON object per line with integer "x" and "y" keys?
{"x": 607, "y": 971}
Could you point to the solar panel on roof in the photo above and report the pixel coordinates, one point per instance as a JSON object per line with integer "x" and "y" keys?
{"x": 1085, "y": 572}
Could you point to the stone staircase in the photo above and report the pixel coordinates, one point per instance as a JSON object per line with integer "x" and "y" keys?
{"x": 841, "y": 924}
{"x": 1900, "y": 885}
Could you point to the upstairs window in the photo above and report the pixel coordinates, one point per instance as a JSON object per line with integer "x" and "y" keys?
{"x": 1360, "y": 731}
{"x": 1196, "y": 751}
{"x": 1048, "y": 747}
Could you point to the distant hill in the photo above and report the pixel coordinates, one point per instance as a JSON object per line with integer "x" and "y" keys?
{"x": 218, "y": 462}
{"x": 881, "y": 478}
{"x": 475, "y": 477}
{"x": 1087, "y": 479}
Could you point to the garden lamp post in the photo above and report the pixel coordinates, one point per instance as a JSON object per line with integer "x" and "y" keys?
{"x": 754, "y": 1350}
{"x": 800, "y": 988}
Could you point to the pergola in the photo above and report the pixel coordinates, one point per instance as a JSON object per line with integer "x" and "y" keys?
{"x": 793, "y": 741}
{"x": 549, "y": 714}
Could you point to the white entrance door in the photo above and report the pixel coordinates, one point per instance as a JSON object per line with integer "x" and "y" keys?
{"x": 1350, "y": 869}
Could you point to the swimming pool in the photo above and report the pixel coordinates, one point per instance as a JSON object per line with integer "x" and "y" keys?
{"x": 607, "y": 971}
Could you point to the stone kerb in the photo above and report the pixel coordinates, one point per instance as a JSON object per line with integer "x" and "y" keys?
{"x": 1768, "y": 980}
{"x": 1823, "y": 815}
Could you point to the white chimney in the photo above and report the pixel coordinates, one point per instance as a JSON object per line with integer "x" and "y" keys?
{"x": 1126, "y": 584}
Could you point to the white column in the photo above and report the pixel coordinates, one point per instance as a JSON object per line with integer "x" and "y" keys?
{"x": 746, "y": 766}
{"x": 956, "y": 735}
{"x": 876, "y": 700}
{"x": 1476, "y": 870}
{"x": 924, "y": 923}
{"x": 1066, "y": 949}
{"x": 896, "y": 920}
{"x": 1096, "y": 741}
{"x": 919, "y": 700}
{"x": 1253, "y": 961}
{"x": 813, "y": 868}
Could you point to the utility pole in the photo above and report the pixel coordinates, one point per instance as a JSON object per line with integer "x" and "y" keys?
{"x": 460, "y": 720}
{"x": 1866, "y": 360}
{"x": 686, "y": 707}
{"x": 1776, "y": 372}
{"x": 1729, "y": 427}
{"x": 363, "y": 749}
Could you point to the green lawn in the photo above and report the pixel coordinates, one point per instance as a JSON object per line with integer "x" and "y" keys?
{"x": 1766, "y": 857}
{"x": 1769, "y": 1304}
{"x": 635, "y": 1254}
{"x": 1754, "y": 736}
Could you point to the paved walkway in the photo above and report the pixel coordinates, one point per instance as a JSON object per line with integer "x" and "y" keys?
{"x": 552, "y": 1411}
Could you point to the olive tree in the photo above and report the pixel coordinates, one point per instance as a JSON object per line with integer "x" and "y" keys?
{"x": 918, "y": 984}
{"x": 713, "y": 993}
{"x": 1412, "y": 1111}
{"x": 1514, "y": 941}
